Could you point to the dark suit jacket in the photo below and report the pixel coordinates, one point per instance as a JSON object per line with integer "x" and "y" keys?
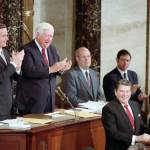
{"x": 110, "y": 79}
{"x": 36, "y": 84}
{"x": 77, "y": 88}
{"x": 117, "y": 126}
{"x": 6, "y": 73}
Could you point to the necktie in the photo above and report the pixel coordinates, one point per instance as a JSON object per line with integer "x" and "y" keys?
{"x": 44, "y": 56}
{"x": 88, "y": 78}
{"x": 129, "y": 115}
{"x": 124, "y": 75}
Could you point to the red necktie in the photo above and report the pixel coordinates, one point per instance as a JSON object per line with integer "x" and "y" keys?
{"x": 129, "y": 116}
{"x": 44, "y": 56}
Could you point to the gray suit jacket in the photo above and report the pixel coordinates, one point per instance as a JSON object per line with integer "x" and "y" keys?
{"x": 76, "y": 87}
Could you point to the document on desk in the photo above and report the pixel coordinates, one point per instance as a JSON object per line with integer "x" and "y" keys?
{"x": 58, "y": 117}
{"x": 93, "y": 106}
{"x": 38, "y": 121}
{"x": 82, "y": 114}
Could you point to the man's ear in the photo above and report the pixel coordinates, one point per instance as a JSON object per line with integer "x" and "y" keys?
{"x": 77, "y": 58}
{"x": 37, "y": 35}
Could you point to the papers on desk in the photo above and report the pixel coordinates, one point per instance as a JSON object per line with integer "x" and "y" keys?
{"x": 17, "y": 123}
{"x": 93, "y": 106}
{"x": 59, "y": 116}
{"x": 38, "y": 121}
{"x": 82, "y": 114}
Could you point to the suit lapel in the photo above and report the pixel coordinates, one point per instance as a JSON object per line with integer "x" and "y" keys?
{"x": 50, "y": 56}
{"x": 37, "y": 52}
{"x": 6, "y": 57}
{"x": 119, "y": 76}
{"x": 135, "y": 114}
{"x": 84, "y": 82}
{"x": 2, "y": 61}
{"x": 130, "y": 77}
{"x": 124, "y": 116}
{"x": 94, "y": 83}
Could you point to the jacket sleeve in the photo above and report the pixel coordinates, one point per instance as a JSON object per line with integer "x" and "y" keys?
{"x": 70, "y": 88}
{"x": 108, "y": 87}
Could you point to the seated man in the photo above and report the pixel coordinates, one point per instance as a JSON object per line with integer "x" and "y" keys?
{"x": 122, "y": 120}
{"x": 81, "y": 83}
{"x": 121, "y": 71}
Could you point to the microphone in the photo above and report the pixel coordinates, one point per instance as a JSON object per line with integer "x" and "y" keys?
{"x": 64, "y": 98}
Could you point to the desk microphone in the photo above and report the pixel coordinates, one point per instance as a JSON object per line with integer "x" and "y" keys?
{"x": 64, "y": 98}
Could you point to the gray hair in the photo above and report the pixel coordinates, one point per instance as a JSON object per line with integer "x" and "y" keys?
{"x": 41, "y": 27}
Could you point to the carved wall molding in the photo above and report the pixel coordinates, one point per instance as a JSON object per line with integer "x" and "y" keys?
{"x": 88, "y": 16}
{"x": 11, "y": 15}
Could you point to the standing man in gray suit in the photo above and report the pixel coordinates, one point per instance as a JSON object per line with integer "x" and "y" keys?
{"x": 7, "y": 69}
{"x": 82, "y": 83}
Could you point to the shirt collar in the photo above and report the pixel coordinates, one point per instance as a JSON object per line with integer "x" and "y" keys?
{"x": 38, "y": 45}
{"x": 122, "y": 72}
{"x": 84, "y": 70}
{"x": 0, "y": 50}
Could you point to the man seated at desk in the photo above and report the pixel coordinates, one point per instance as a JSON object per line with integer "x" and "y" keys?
{"x": 122, "y": 120}
{"x": 81, "y": 83}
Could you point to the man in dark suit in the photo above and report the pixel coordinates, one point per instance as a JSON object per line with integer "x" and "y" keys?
{"x": 82, "y": 83}
{"x": 7, "y": 70}
{"x": 40, "y": 66}
{"x": 122, "y": 120}
{"x": 121, "y": 71}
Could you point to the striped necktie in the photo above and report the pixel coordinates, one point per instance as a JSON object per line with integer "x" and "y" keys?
{"x": 129, "y": 115}
{"x": 88, "y": 78}
{"x": 44, "y": 56}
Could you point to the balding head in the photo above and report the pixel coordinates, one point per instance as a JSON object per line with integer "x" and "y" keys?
{"x": 83, "y": 57}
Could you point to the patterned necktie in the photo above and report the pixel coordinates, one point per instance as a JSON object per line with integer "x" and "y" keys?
{"x": 129, "y": 116}
{"x": 44, "y": 56}
{"x": 88, "y": 78}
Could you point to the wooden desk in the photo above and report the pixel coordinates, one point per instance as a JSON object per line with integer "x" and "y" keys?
{"x": 67, "y": 135}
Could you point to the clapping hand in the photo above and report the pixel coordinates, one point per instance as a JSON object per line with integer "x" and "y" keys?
{"x": 67, "y": 64}
{"x": 134, "y": 88}
{"x": 60, "y": 66}
{"x": 17, "y": 58}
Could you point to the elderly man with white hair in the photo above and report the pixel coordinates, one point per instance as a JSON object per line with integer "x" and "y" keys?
{"x": 36, "y": 90}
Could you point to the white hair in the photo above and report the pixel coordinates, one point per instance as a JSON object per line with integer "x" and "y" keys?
{"x": 41, "y": 27}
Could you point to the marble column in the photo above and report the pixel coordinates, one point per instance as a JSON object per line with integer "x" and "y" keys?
{"x": 88, "y": 26}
